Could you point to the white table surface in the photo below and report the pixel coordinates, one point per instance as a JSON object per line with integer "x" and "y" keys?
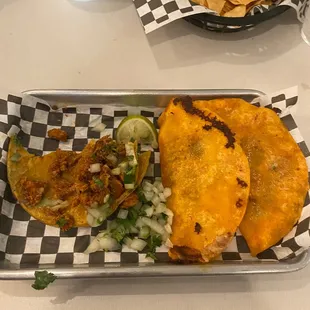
{"x": 65, "y": 44}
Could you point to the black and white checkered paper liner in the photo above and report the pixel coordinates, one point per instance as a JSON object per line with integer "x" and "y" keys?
{"x": 26, "y": 240}
{"x": 157, "y": 13}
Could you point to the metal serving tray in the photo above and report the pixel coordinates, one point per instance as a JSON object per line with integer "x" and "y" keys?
{"x": 156, "y": 98}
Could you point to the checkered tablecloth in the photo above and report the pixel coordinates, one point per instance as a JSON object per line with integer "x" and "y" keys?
{"x": 26, "y": 240}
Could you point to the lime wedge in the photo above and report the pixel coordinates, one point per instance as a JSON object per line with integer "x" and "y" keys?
{"x": 139, "y": 128}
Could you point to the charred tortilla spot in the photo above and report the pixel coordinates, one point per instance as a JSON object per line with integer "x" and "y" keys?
{"x": 197, "y": 228}
{"x": 176, "y": 100}
{"x": 187, "y": 253}
{"x": 207, "y": 127}
{"x": 239, "y": 203}
{"x": 187, "y": 104}
{"x": 242, "y": 183}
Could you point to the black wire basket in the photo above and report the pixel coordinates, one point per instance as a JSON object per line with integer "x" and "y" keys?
{"x": 228, "y": 24}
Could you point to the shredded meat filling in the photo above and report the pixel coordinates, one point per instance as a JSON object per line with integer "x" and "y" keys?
{"x": 64, "y": 160}
{"x": 32, "y": 191}
{"x": 57, "y": 134}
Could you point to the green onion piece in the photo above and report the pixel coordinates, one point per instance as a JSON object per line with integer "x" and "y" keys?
{"x": 98, "y": 182}
{"x": 129, "y": 178}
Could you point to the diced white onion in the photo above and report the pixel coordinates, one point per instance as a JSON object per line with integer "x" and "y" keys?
{"x": 130, "y": 151}
{"x": 102, "y": 234}
{"x": 155, "y": 200}
{"x": 148, "y": 195}
{"x": 168, "y": 212}
{"x": 147, "y": 186}
{"x": 130, "y": 186}
{"x": 168, "y": 228}
{"x": 93, "y": 247}
{"x": 90, "y": 219}
{"x": 167, "y": 192}
{"x": 162, "y": 222}
{"x": 106, "y": 198}
{"x": 155, "y": 190}
{"x": 123, "y": 166}
{"x": 160, "y": 187}
{"x": 127, "y": 241}
{"x": 94, "y": 212}
{"x": 144, "y": 232}
{"x": 138, "y": 244}
{"x": 112, "y": 158}
{"x": 139, "y": 223}
{"x": 158, "y": 179}
{"x": 133, "y": 230}
{"x": 156, "y": 184}
{"x": 116, "y": 171}
{"x": 111, "y": 225}
{"x": 122, "y": 214}
{"x": 99, "y": 128}
{"x": 149, "y": 211}
{"x": 165, "y": 236}
{"x": 100, "y": 219}
{"x": 168, "y": 243}
{"x": 154, "y": 225}
{"x": 104, "y": 207}
{"x": 108, "y": 243}
{"x": 94, "y": 168}
{"x": 160, "y": 208}
{"x": 61, "y": 205}
{"x": 162, "y": 197}
{"x": 170, "y": 216}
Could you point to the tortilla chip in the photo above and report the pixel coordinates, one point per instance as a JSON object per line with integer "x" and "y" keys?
{"x": 201, "y": 163}
{"x": 216, "y": 5}
{"x": 238, "y": 11}
{"x": 242, "y": 2}
{"x": 279, "y": 174}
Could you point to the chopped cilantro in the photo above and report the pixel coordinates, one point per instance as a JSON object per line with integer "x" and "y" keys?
{"x": 141, "y": 195}
{"x": 153, "y": 242}
{"x": 98, "y": 182}
{"x": 119, "y": 233}
{"x": 43, "y": 279}
{"x": 129, "y": 178}
{"x": 132, "y": 140}
{"x": 111, "y": 147}
{"x": 151, "y": 255}
{"x": 61, "y": 222}
{"x": 94, "y": 156}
